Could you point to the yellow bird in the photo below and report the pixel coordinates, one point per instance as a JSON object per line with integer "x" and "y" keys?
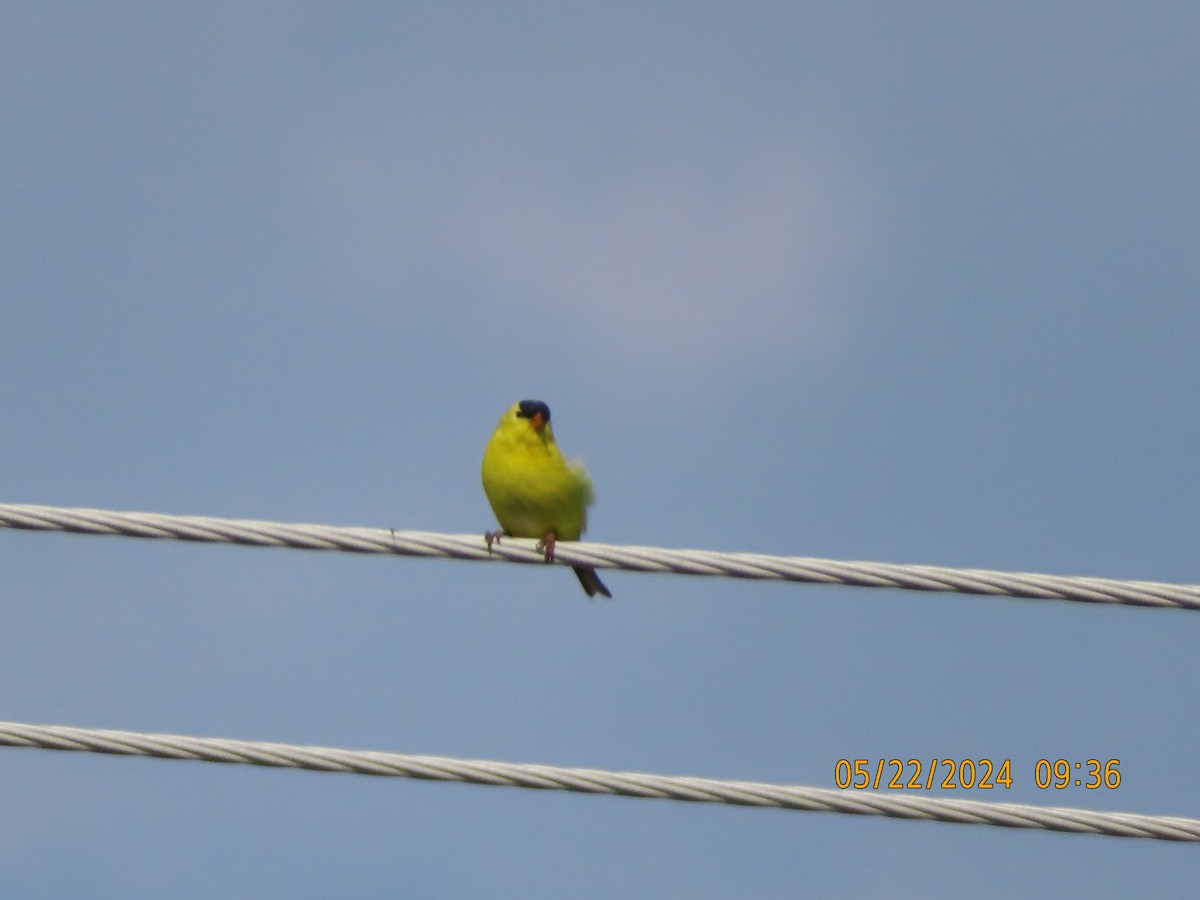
{"x": 534, "y": 492}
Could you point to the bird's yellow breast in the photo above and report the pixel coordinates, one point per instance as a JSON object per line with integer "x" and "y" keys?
{"x": 531, "y": 488}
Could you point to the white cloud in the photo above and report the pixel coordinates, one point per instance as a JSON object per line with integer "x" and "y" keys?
{"x": 685, "y": 258}
{"x": 661, "y": 259}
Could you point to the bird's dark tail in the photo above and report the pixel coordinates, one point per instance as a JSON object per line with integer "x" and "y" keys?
{"x": 591, "y": 581}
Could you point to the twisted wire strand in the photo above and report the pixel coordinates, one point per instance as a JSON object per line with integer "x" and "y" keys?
{"x": 597, "y": 781}
{"x": 634, "y": 558}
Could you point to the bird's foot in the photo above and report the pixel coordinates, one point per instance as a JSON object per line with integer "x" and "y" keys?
{"x": 493, "y": 537}
{"x": 546, "y": 545}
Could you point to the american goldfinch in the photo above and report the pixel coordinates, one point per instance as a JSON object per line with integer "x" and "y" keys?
{"x": 534, "y": 492}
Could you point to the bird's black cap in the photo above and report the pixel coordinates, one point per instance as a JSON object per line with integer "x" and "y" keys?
{"x": 527, "y": 409}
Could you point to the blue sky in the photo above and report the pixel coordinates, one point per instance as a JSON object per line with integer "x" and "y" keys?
{"x": 900, "y": 282}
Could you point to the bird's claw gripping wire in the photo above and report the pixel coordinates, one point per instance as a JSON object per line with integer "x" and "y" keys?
{"x": 546, "y": 545}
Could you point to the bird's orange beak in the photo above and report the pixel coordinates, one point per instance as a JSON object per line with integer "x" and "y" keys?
{"x": 537, "y": 422}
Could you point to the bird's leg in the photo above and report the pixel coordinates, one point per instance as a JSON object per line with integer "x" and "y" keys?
{"x": 546, "y": 545}
{"x": 493, "y": 536}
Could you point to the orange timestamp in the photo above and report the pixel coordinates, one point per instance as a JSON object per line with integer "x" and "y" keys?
{"x": 971, "y": 774}
{"x": 1087, "y": 773}
{"x": 922, "y": 774}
